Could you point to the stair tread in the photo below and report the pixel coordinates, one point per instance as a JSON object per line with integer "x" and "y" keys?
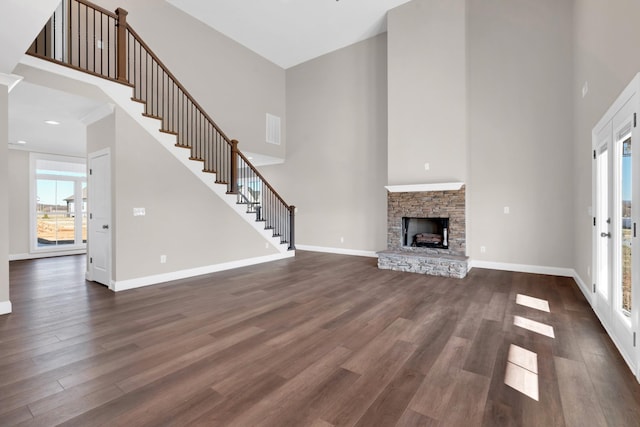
{"x": 170, "y": 132}
{"x": 151, "y": 116}
{"x": 141, "y": 101}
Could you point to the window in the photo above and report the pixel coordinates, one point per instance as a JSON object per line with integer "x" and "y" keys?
{"x": 59, "y": 203}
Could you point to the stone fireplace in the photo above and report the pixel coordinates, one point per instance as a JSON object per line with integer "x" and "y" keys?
{"x": 426, "y": 230}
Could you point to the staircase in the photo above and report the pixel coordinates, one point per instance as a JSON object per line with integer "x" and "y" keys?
{"x": 88, "y": 38}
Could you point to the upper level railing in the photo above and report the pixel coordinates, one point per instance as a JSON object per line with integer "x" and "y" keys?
{"x": 86, "y": 37}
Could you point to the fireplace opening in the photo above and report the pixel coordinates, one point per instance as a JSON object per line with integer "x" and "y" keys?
{"x": 425, "y": 232}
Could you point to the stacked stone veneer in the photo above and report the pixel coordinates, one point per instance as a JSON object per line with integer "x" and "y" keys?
{"x": 450, "y": 262}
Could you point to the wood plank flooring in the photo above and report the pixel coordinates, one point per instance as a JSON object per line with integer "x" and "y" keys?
{"x": 318, "y": 340}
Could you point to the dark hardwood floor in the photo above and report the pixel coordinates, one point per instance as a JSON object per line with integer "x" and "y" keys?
{"x": 319, "y": 340}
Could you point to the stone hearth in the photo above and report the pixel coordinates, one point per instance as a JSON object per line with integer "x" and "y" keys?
{"x": 426, "y": 201}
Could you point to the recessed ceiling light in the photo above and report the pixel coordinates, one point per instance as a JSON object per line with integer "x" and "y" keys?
{"x": 21, "y": 142}
{"x": 52, "y": 122}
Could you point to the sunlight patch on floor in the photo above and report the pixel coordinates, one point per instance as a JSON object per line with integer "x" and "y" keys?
{"x": 522, "y": 371}
{"x": 531, "y": 302}
{"x": 534, "y": 326}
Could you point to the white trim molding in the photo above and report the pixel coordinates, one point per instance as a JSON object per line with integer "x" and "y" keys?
{"x": 21, "y": 257}
{"x": 5, "y": 307}
{"x": 583, "y": 287}
{"x": 339, "y": 251}
{"x": 524, "y": 268}
{"x": 123, "y": 285}
{"x": 98, "y": 113}
{"x": 10, "y": 80}
{"x": 438, "y": 186}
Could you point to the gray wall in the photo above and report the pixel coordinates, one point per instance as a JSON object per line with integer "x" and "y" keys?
{"x": 19, "y": 214}
{"x": 336, "y": 164}
{"x": 427, "y": 92}
{"x": 607, "y": 56}
{"x": 528, "y": 139}
{"x": 184, "y": 219}
{"x": 233, "y": 84}
{"x": 20, "y": 22}
{"x": 4, "y": 193}
{"x": 520, "y": 131}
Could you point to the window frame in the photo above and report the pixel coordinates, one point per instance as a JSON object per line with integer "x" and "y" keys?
{"x": 33, "y": 180}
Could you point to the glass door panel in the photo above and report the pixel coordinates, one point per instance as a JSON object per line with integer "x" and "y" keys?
{"x": 83, "y": 213}
{"x": 57, "y": 213}
{"x": 626, "y": 225}
{"x": 54, "y": 224}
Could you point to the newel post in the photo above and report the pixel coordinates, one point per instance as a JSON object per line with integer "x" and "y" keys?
{"x": 292, "y": 228}
{"x": 234, "y": 166}
{"x": 121, "y": 45}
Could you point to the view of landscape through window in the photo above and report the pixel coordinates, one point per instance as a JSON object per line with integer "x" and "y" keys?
{"x": 61, "y": 203}
{"x": 626, "y": 225}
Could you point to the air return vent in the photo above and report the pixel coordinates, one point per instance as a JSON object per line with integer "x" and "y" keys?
{"x": 273, "y": 129}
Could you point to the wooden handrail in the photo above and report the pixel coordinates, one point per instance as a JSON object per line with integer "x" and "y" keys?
{"x": 177, "y": 82}
{"x": 98, "y": 8}
{"x": 259, "y": 175}
{"x": 129, "y": 60}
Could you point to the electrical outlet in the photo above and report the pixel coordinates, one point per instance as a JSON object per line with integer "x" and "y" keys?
{"x": 427, "y": 166}
{"x": 483, "y": 249}
{"x": 342, "y": 239}
{"x": 506, "y": 209}
{"x": 163, "y": 259}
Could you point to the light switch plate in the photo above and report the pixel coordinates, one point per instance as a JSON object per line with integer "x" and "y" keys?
{"x": 139, "y": 212}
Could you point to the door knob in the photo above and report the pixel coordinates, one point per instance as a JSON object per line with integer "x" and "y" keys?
{"x": 605, "y": 235}
{"x": 105, "y": 227}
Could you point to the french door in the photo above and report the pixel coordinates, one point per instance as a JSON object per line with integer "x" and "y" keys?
{"x": 616, "y": 210}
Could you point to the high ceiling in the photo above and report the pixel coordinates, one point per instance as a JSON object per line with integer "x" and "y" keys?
{"x": 31, "y": 105}
{"x": 286, "y": 32}
{"x": 289, "y": 32}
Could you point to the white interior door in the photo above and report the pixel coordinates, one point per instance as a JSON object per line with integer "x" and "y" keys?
{"x": 615, "y": 261}
{"x": 99, "y": 205}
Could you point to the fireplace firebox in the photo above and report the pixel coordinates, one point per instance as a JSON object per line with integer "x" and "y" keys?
{"x": 425, "y": 232}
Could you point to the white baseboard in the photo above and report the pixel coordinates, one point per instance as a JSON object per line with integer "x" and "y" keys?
{"x": 607, "y": 327}
{"x": 21, "y": 257}
{"x": 339, "y": 251}
{"x": 5, "y": 307}
{"x": 123, "y": 285}
{"x": 583, "y": 287}
{"x": 524, "y": 268}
